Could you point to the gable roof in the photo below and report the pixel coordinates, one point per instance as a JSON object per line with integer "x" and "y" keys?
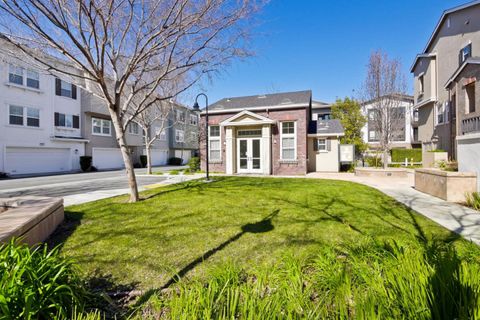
{"x": 437, "y": 28}
{"x": 460, "y": 69}
{"x": 320, "y": 104}
{"x": 284, "y": 99}
{"x": 254, "y": 118}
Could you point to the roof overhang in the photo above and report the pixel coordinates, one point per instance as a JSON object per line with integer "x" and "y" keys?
{"x": 425, "y": 102}
{"x": 439, "y": 23}
{"x": 278, "y": 107}
{"x": 330, "y": 134}
{"x": 253, "y": 119}
{"x": 459, "y": 70}
{"x": 420, "y": 56}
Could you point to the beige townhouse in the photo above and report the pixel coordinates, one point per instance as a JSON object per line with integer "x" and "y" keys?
{"x": 446, "y": 87}
{"x": 454, "y": 42}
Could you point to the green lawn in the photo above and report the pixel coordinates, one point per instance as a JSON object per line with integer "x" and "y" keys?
{"x": 254, "y": 224}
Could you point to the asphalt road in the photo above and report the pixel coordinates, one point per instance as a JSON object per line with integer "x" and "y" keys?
{"x": 74, "y": 184}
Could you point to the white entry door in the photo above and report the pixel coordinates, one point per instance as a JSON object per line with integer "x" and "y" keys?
{"x": 249, "y": 155}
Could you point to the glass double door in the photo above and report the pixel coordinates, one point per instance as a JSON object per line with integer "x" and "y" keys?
{"x": 249, "y": 155}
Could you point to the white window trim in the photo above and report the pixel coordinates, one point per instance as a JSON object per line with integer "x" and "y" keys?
{"x": 177, "y": 118}
{"x": 101, "y": 127}
{"x": 24, "y": 116}
{"x": 130, "y": 131}
{"x": 325, "y": 145}
{"x": 24, "y": 79}
{"x": 216, "y": 138}
{"x": 193, "y": 116}
{"x": 183, "y": 134}
{"x": 288, "y": 135}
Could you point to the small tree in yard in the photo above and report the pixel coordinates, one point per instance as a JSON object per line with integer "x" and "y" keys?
{"x": 383, "y": 85}
{"x": 156, "y": 117}
{"x": 129, "y": 50}
{"x": 349, "y": 112}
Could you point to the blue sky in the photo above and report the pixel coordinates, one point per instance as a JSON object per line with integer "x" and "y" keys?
{"x": 324, "y": 45}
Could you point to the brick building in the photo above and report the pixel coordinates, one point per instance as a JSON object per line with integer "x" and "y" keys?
{"x": 269, "y": 134}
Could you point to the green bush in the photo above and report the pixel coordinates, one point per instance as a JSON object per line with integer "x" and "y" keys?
{"x": 437, "y": 150}
{"x": 374, "y": 162}
{"x": 399, "y": 155}
{"x": 38, "y": 284}
{"x": 85, "y": 163}
{"x": 174, "y": 172}
{"x": 473, "y": 200}
{"x": 194, "y": 164}
{"x": 143, "y": 161}
{"x": 174, "y": 161}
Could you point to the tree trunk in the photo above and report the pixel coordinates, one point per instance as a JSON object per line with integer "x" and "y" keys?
{"x": 127, "y": 160}
{"x": 385, "y": 158}
{"x": 148, "y": 149}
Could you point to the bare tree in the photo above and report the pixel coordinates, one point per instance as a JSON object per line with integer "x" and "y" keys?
{"x": 155, "y": 121}
{"x": 127, "y": 50}
{"x": 383, "y": 88}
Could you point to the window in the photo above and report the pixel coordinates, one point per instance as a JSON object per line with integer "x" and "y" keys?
{"x": 249, "y": 133}
{"x": 465, "y": 53}
{"x": 24, "y": 116}
{"x": 421, "y": 84}
{"x": 162, "y": 134}
{"x": 415, "y": 115}
{"x": 214, "y": 144}
{"x": 179, "y": 136}
{"x": 373, "y": 135}
{"x": 326, "y": 116}
{"x": 372, "y": 115}
{"x": 440, "y": 113}
{"x": 470, "y": 98}
{"x": 288, "y": 141}
{"x": 180, "y": 116}
{"x": 101, "y": 127}
{"x": 133, "y": 128}
{"x": 33, "y": 79}
{"x": 67, "y": 120}
{"x": 322, "y": 144}
{"x": 65, "y": 89}
{"x": 15, "y": 75}
{"x": 193, "y": 119}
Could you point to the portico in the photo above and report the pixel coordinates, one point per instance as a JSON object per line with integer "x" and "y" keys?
{"x": 248, "y": 143}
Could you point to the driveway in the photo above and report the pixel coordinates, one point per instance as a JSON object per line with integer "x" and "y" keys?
{"x": 81, "y": 187}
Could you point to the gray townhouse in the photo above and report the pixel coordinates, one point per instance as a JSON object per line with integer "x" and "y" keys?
{"x": 446, "y": 87}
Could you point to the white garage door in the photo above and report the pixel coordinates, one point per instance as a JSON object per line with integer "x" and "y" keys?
{"x": 19, "y": 160}
{"x": 186, "y": 155}
{"x": 159, "y": 157}
{"x": 107, "y": 158}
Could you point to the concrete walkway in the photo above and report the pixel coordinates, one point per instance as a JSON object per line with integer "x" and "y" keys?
{"x": 459, "y": 219}
{"x": 103, "y": 194}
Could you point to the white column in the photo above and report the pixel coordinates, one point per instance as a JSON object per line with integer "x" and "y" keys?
{"x": 229, "y": 150}
{"x": 266, "y": 149}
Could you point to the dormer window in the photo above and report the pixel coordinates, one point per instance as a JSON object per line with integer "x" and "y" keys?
{"x": 465, "y": 53}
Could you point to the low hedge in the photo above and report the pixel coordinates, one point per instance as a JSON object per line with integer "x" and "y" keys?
{"x": 174, "y": 161}
{"x": 399, "y": 155}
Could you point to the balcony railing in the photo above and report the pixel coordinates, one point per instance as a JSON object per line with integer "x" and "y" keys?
{"x": 471, "y": 125}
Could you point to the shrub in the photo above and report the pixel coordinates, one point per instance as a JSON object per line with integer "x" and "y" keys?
{"x": 3, "y": 175}
{"x": 37, "y": 283}
{"x": 473, "y": 200}
{"x": 194, "y": 164}
{"x": 85, "y": 163}
{"x": 447, "y": 165}
{"x": 174, "y": 161}
{"x": 399, "y": 155}
{"x": 143, "y": 161}
{"x": 374, "y": 162}
{"x": 437, "y": 150}
{"x": 174, "y": 172}
{"x": 366, "y": 280}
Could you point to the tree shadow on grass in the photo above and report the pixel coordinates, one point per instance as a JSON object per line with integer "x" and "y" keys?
{"x": 65, "y": 229}
{"x": 262, "y": 226}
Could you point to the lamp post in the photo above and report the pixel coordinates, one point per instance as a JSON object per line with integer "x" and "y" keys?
{"x": 196, "y": 107}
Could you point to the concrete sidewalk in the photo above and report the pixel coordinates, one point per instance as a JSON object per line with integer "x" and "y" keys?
{"x": 459, "y": 219}
{"x": 103, "y": 194}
